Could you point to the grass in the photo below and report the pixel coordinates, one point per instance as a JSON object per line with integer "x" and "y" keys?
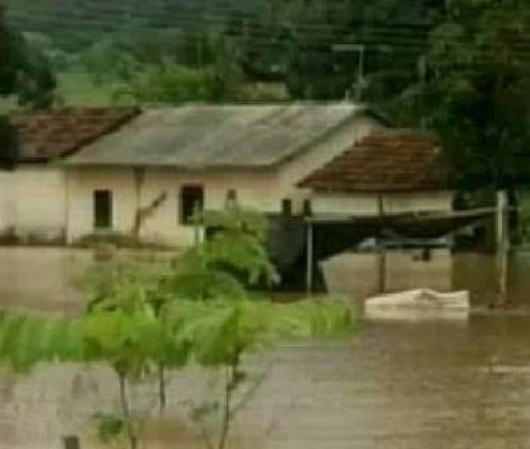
{"x": 79, "y": 89}
{"x": 74, "y": 89}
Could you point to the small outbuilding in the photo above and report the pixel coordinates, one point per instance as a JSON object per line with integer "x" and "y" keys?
{"x": 389, "y": 172}
{"x": 392, "y": 188}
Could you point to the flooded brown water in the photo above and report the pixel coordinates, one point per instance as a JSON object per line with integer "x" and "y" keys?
{"x": 395, "y": 385}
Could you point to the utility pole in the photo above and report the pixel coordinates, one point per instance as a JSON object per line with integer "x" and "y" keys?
{"x": 502, "y": 248}
{"x": 310, "y": 255}
{"x": 380, "y": 245}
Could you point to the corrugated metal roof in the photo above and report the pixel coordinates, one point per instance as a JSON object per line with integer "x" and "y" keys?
{"x": 207, "y": 136}
{"x": 390, "y": 160}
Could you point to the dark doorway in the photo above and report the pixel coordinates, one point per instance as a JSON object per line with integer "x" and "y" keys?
{"x": 191, "y": 202}
{"x": 103, "y": 209}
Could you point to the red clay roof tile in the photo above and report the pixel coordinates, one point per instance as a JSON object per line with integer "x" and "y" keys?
{"x": 47, "y": 135}
{"x": 396, "y": 160}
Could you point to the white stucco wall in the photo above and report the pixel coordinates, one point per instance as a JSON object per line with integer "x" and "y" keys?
{"x": 367, "y": 203}
{"x": 262, "y": 190}
{"x": 254, "y": 189}
{"x": 6, "y": 212}
{"x": 307, "y": 162}
{"x": 81, "y": 184}
{"x": 32, "y": 201}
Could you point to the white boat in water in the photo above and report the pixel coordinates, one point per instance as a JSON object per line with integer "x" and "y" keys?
{"x": 418, "y": 304}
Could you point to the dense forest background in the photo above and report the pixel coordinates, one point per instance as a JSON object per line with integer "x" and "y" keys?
{"x": 214, "y": 49}
{"x": 457, "y": 67}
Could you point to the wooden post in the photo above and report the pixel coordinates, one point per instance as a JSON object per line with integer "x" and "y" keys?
{"x": 502, "y": 248}
{"x": 310, "y": 257}
{"x": 381, "y": 251}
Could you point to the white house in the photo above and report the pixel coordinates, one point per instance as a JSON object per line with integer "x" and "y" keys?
{"x": 79, "y": 172}
{"x": 149, "y": 175}
{"x": 32, "y": 182}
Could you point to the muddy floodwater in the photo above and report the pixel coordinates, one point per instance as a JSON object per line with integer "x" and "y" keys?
{"x": 395, "y": 384}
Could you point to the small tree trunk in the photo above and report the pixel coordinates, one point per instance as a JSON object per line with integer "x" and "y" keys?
{"x": 126, "y": 412}
{"x": 229, "y": 389}
{"x": 162, "y": 396}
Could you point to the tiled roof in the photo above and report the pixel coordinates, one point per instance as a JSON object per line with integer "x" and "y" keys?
{"x": 47, "y": 135}
{"x": 396, "y": 160}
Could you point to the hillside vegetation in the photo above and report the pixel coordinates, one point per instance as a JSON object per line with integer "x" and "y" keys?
{"x": 460, "y": 68}
{"x": 214, "y": 47}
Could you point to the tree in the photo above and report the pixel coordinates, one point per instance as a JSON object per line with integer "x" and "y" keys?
{"x": 176, "y": 84}
{"x": 222, "y": 333}
{"x": 138, "y": 321}
{"x": 476, "y": 89}
{"x": 369, "y": 49}
{"x": 224, "y": 322}
{"x": 24, "y": 71}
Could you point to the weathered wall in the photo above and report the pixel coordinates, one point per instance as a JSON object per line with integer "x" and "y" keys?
{"x": 307, "y": 162}
{"x": 32, "y": 202}
{"x": 419, "y": 201}
{"x": 254, "y": 190}
{"x": 367, "y": 203}
{"x": 80, "y": 185}
{"x": 262, "y": 190}
{"x": 6, "y": 212}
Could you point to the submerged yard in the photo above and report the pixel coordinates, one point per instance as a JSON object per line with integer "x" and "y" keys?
{"x": 384, "y": 147}
{"x": 399, "y": 385}
{"x": 432, "y": 384}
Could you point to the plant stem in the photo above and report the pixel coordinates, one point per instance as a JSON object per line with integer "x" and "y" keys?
{"x": 229, "y": 389}
{"x": 126, "y": 411}
{"x": 162, "y": 397}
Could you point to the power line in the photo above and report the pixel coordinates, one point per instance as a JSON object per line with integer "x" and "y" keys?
{"x": 377, "y": 39}
{"x": 46, "y": 15}
{"x": 406, "y": 38}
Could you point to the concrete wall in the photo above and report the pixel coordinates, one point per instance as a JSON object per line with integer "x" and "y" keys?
{"x": 32, "y": 202}
{"x": 6, "y": 203}
{"x": 50, "y": 201}
{"x": 81, "y": 184}
{"x": 367, "y": 203}
{"x": 262, "y": 190}
{"x": 254, "y": 190}
{"x": 310, "y": 161}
